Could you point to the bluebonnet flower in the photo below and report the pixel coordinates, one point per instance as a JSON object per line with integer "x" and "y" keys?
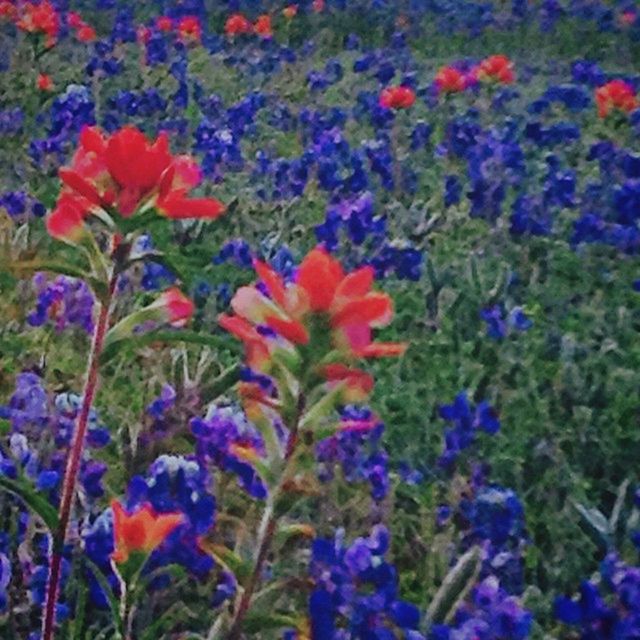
{"x": 20, "y": 206}
{"x": 357, "y": 451}
{"x": 155, "y": 276}
{"x": 238, "y": 251}
{"x": 595, "y": 617}
{"x": 529, "y": 216}
{"x": 493, "y": 518}
{"x": 490, "y": 614}
{"x": 223, "y": 437}
{"x": 355, "y": 595}
{"x": 467, "y": 420}
{"x": 5, "y": 575}
{"x": 65, "y": 301}
{"x": 452, "y": 190}
{"x": 498, "y": 325}
{"x": 178, "y": 484}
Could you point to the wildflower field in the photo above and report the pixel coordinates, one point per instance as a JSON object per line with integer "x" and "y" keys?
{"x": 319, "y": 320}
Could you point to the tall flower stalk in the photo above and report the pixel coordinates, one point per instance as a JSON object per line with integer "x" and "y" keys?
{"x": 301, "y": 340}
{"x": 112, "y": 179}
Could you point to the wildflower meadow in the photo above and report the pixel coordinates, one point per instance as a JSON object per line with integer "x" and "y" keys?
{"x": 319, "y": 320}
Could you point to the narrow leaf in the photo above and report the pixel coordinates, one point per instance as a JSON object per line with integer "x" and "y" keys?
{"x": 456, "y": 585}
{"x": 25, "y": 491}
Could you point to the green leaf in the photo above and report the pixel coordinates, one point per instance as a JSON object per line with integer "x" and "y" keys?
{"x": 256, "y": 622}
{"x": 114, "y": 604}
{"x": 161, "y": 335}
{"x": 24, "y": 490}
{"x": 455, "y": 586}
{"x": 23, "y": 267}
{"x": 217, "y": 387}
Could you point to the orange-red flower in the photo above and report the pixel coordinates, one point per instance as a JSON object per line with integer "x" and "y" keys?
{"x": 125, "y": 171}
{"x": 322, "y": 302}
{"x": 496, "y": 68}
{"x": 40, "y": 18}
{"x": 237, "y": 24}
{"x": 142, "y": 531}
{"x": 616, "y": 95}
{"x": 44, "y": 82}
{"x": 451, "y": 80}
{"x": 190, "y": 29}
{"x": 290, "y": 12}
{"x": 263, "y": 26}
{"x": 397, "y": 97}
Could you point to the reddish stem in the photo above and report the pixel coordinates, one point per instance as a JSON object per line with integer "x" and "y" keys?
{"x": 73, "y": 467}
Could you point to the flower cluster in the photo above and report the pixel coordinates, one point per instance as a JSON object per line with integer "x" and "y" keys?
{"x": 355, "y": 592}
{"x": 593, "y": 615}
{"x": 124, "y": 172}
{"x": 64, "y": 301}
{"x": 467, "y": 420}
{"x": 490, "y": 614}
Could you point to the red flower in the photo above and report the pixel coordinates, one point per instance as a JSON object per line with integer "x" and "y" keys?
{"x": 322, "y": 300}
{"x": 263, "y": 26}
{"x": 66, "y": 221}
{"x": 44, "y": 82}
{"x": 397, "y": 97}
{"x": 179, "y": 309}
{"x": 164, "y": 23}
{"x": 40, "y": 18}
{"x": 616, "y": 95}
{"x": 86, "y": 33}
{"x": 317, "y": 6}
{"x": 7, "y": 9}
{"x": 189, "y": 28}
{"x": 237, "y": 24}
{"x": 126, "y": 171}
{"x": 451, "y": 80}
{"x": 142, "y": 531}
{"x": 74, "y": 20}
{"x": 497, "y": 68}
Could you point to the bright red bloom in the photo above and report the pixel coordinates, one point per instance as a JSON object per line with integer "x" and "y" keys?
{"x": 317, "y": 6}
{"x": 290, "y": 12}
{"x": 237, "y": 24}
{"x": 86, "y": 33}
{"x": 189, "y": 28}
{"x": 164, "y": 23}
{"x": 263, "y": 26}
{"x": 40, "y": 18}
{"x": 179, "y": 309}
{"x": 616, "y": 95}
{"x": 451, "y": 80}
{"x": 321, "y": 295}
{"x": 66, "y": 221}
{"x": 397, "y": 97}
{"x": 497, "y": 68}
{"x": 44, "y": 82}
{"x": 142, "y": 531}
{"x": 126, "y": 171}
